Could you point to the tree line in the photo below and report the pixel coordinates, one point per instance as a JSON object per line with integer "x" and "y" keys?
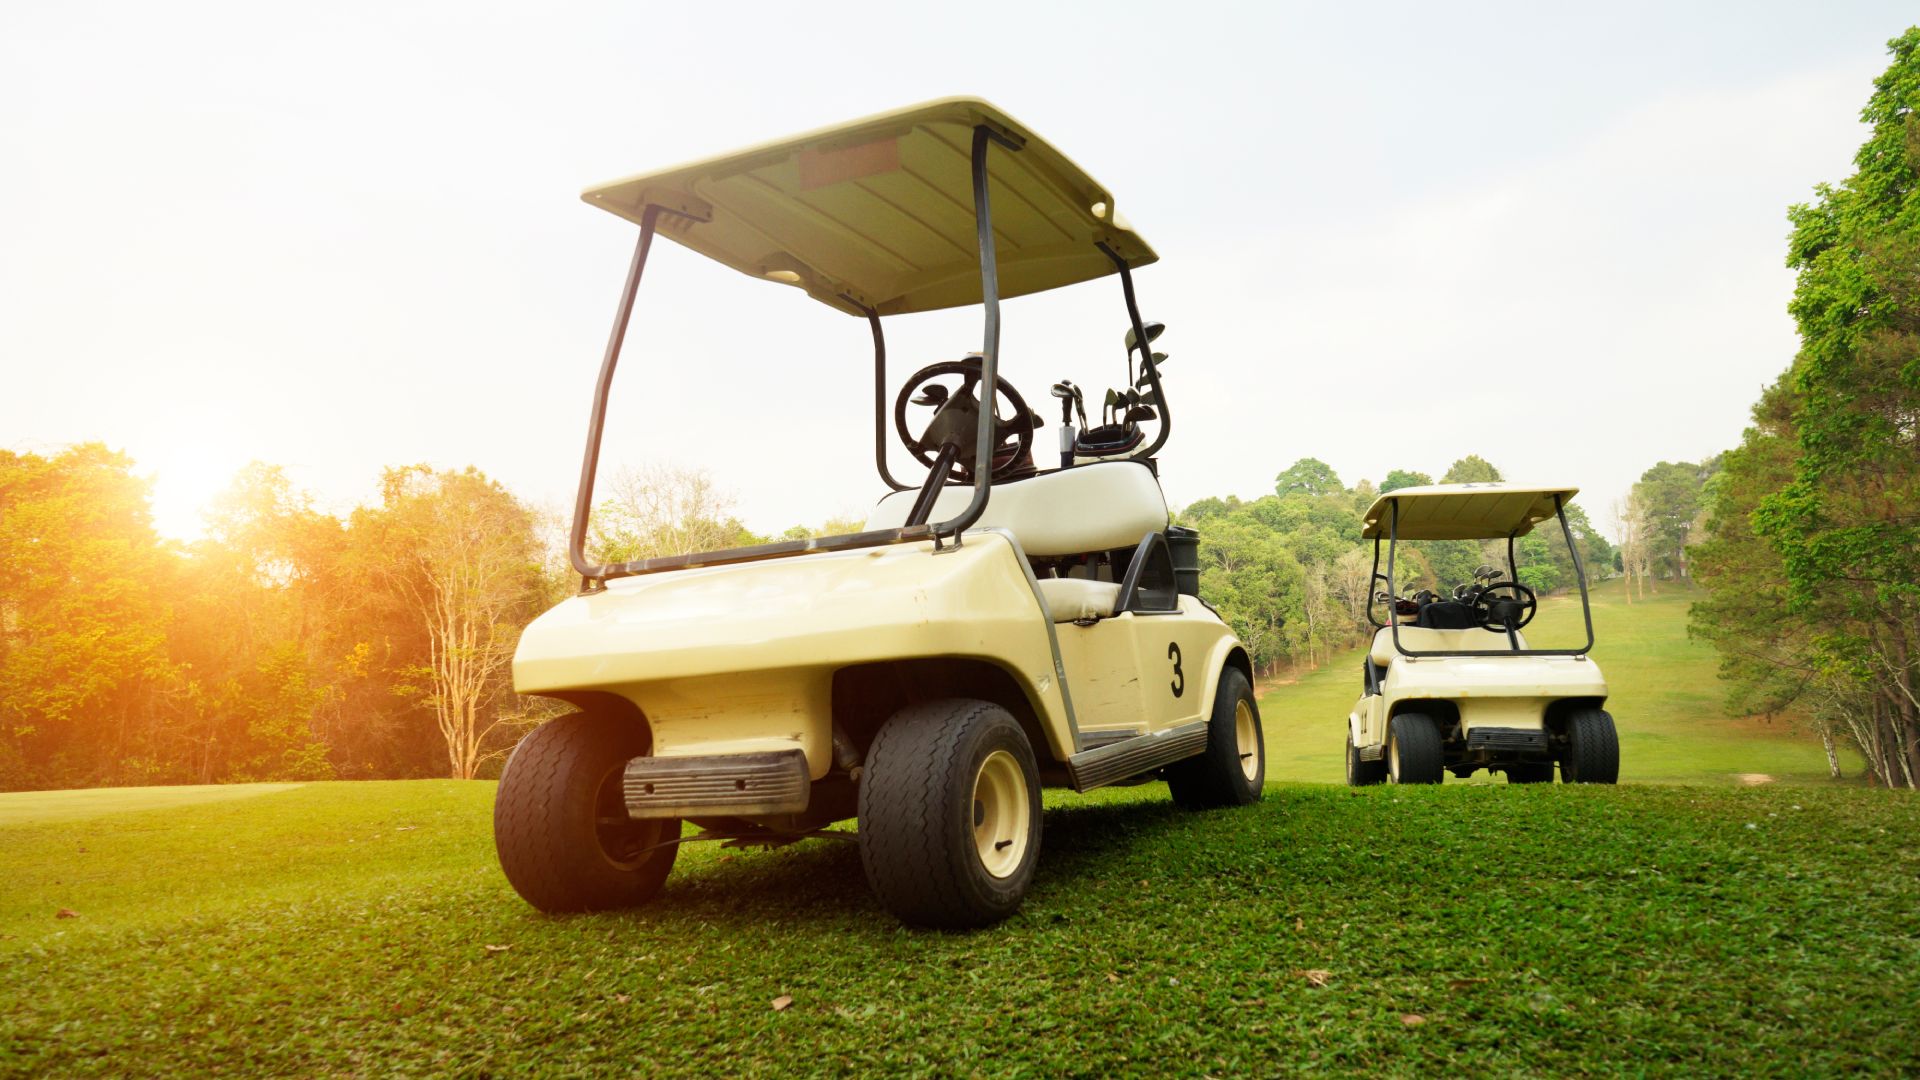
{"x": 292, "y": 643}
{"x": 1811, "y": 546}
{"x": 289, "y": 643}
{"x": 1290, "y": 573}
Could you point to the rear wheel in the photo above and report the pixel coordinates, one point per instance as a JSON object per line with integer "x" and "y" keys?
{"x": 560, "y": 820}
{"x": 950, "y": 814}
{"x": 1232, "y": 769}
{"x": 1593, "y": 749}
{"x": 1530, "y": 772}
{"x": 1362, "y": 773}
{"x": 1413, "y": 750}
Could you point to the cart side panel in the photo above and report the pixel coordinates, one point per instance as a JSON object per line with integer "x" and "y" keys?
{"x": 741, "y": 658}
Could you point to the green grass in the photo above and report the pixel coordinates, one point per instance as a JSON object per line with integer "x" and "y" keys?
{"x": 1665, "y": 699}
{"x": 18, "y": 806}
{"x": 343, "y": 929}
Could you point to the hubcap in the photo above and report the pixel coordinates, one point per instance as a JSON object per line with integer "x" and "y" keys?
{"x": 624, "y": 842}
{"x": 1393, "y": 759}
{"x": 1246, "y": 734}
{"x": 1002, "y": 816}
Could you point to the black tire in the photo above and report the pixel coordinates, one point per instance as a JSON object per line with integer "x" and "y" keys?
{"x": 1413, "y": 750}
{"x": 1530, "y": 772}
{"x": 922, "y": 825}
{"x": 560, "y": 821}
{"x": 1593, "y": 749}
{"x": 1219, "y": 775}
{"x": 1363, "y": 773}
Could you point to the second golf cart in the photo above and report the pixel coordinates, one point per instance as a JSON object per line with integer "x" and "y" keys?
{"x": 1450, "y": 684}
{"x": 1004, "y": 623}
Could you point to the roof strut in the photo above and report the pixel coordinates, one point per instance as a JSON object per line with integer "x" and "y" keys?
{"x": 1146, "y": 352}
{"x": 983, "y": 137}
{"x": 593, "y": 577}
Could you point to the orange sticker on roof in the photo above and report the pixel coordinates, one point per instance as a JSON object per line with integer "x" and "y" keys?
{"x": 818, "y": 168}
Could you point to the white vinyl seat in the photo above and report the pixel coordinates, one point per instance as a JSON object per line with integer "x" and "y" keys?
{"x": 1087, "y": 508}
{"x": 1421, "y": 639}
{"x": 1072, "y": 599}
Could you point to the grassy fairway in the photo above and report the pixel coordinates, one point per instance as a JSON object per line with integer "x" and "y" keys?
{"x": 344, "y": 929}
{"x": 1665, "y": 700}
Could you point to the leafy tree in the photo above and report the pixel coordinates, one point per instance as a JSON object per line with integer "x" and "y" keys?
{"x": 1472, "y": 469}
{"x": 82, "y": 621}
{"x": 1441, "y": 564}
{"x": 1843, "y": 431}
{"x": 1254, "y": 581}
{"x": 1538, "y": 568}
{"x": 464, "y": 557}
{"x": 1670, "y": 502}
{"x": 1308, "y": 476}
{"x": 1401, "y": 478}
{"x": 663, "y": 510}
{"x": 1766, "y": 653}
{"x": 1209, "y": 508}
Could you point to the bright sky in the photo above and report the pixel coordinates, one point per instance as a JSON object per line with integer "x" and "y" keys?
{"x": 343, "y": 236}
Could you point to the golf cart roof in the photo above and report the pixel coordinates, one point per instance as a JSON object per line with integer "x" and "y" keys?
{"x": 1464, "y": 511}
{"x": 878, "y": 212}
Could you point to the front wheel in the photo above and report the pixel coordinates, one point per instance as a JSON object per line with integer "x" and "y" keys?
{"x": 1233, "y": 768}
{"x": 1413, "y": 750}
{"x": 950, "y": 814}
{"x": 1363, "y": 773}
{"x": 560, "y": 820}
{"x": 1593, "y": 749}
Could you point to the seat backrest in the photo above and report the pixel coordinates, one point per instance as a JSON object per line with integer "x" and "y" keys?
{"x": 1087, "y": 508}
{"x": 1422, "y": 639}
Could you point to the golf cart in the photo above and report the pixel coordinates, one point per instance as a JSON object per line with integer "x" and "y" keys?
{"x": 995, "y": 626}
{"x": 1450, "y": 684}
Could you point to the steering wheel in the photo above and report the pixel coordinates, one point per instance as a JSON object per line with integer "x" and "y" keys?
{"x": 1521, "y": 594}
{"x": 956, "y": 418}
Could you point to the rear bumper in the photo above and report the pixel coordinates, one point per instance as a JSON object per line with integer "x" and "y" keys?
{"x": 1501, "y": 742}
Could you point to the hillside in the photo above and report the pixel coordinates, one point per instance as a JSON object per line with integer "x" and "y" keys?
{"x": 1665, "y": 700}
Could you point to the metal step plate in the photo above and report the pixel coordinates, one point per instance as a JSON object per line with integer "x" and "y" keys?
{"x": 723, "y": 785}
{"x": 1117, "y": 761}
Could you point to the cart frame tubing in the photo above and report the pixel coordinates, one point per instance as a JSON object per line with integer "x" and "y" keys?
{"x": 1393, "y": 616}
{"x": 593, "y": 576}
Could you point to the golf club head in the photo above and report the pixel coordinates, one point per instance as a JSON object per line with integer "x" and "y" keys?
{"x": 1153, "y": 329}
{"x": 1145, "y": 378}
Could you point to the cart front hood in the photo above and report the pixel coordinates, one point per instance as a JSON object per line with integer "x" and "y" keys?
{"x": 740, "y": 658}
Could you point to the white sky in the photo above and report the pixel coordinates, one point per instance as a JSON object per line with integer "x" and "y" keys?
{"x": 344, "y": 236}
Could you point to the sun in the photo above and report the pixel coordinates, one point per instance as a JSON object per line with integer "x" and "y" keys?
{"x": 186, "y": 480}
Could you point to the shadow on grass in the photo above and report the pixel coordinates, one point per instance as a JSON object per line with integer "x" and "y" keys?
{"x": 822, "y": 881}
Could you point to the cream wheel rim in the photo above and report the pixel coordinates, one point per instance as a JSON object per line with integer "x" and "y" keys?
{"x": 1002, "y": 814}
{"x": 1393, "y": 759}
{"x": 1246, "y": 735}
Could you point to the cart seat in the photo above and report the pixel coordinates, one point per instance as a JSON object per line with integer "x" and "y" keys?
{"x": 1099, "y": 507}
{"x": 1422, "y": 639}
{"x": 1072, "y": 599}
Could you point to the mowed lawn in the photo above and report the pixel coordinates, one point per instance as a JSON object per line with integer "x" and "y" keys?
{"x": 364, "y": 929}
{"x": 1665, "y": 699}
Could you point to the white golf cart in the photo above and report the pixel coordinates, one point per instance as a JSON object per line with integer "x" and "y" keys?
{"x": 1450, "y": 684}
{"x": 994, "y": 627}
